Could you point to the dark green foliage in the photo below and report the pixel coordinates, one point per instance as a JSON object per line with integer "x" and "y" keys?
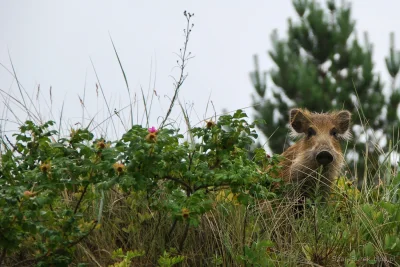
{"x": 52, "y": 194}
{"x": 34, "y": 215}
{"x": 393, "y": 67}
{"x": 52, "y": 191}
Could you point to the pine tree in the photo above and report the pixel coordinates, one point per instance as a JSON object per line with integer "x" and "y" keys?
{"x": 322, "y": 66}
{"x": 393, "y": 67}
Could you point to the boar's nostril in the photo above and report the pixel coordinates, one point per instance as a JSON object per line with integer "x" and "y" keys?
{"x": 324, "y": 157}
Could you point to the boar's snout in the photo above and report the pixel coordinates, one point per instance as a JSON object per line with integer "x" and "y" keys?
{"x": 324, "y": 157}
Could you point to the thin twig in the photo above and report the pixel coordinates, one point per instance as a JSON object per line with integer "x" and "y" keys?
{"x": 12, "y": 145}
{"x": 80, "y": 199}
{"x": 187, "y": 186}
{"x": 184, "y": 58}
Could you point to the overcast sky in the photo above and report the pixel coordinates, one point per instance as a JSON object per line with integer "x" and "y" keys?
{"x": 52, "y": 43}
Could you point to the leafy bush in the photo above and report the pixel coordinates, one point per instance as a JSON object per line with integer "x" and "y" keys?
{"x": 49, "y": 187}
{"x": 157, "y": 199}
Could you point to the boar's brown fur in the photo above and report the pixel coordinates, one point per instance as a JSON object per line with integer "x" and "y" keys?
{"x": 317, "y": 156}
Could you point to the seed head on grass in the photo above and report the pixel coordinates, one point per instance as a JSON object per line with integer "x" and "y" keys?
{"x": 45, "y": 167}
{"x": 210, "y": 124}
{"x": 119, "y": 167}
{"x": 349, "y": 183}
{"x": 72, "y": 133}
{"x": 101, "y": 144}
{"x": 185, "y": 213}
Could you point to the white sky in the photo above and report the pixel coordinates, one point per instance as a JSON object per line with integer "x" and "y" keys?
{"x": 51, "y": 43}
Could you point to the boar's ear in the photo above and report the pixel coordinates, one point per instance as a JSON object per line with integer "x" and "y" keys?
{"x": 298, "y": 120}
{"x": 342, "y": 121}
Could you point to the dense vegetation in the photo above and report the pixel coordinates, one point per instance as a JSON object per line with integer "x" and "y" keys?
{"x": 159, "y": 196}
{"x": 151, "y": 198}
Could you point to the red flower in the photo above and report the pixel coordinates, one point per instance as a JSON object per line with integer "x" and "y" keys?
{"x": 152, "y": 130}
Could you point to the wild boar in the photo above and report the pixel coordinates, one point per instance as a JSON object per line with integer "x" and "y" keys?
{"x": 316, "y": 159}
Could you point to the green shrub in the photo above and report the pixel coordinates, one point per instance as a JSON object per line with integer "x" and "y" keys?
{"x": 53, "y": 191}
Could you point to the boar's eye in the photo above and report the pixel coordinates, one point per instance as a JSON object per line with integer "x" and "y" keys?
{"x": 311, "y": 132}
{"x": 334, "y": 132}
